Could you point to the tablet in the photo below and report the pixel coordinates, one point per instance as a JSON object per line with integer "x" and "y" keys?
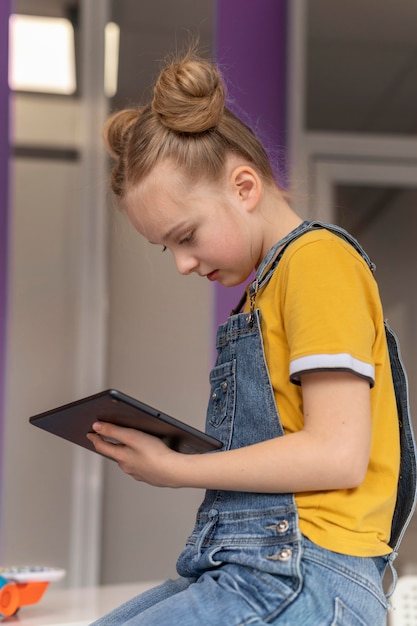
{"x": 73, "y": 421}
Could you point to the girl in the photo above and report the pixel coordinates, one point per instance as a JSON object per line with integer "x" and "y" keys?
{"x": 304, "y": 504}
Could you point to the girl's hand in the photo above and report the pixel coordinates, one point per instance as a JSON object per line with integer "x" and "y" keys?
{"x": 144, "y": 457}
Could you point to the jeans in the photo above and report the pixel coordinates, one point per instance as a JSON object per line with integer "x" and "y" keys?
{"x": 330, "y": 590}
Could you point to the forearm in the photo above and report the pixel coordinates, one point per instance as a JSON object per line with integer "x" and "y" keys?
{"x": 331, "y": 452}
{"x": 292, "y": 463}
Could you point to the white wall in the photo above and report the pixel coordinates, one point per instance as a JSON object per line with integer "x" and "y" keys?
{"x": 41, "y": 349}
{"x": 159, "y": 349}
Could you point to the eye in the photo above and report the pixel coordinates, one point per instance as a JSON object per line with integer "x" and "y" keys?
{"x": 187, "y": 239}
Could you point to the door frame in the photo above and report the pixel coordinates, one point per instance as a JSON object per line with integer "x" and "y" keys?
{"x": 327, "y": 173}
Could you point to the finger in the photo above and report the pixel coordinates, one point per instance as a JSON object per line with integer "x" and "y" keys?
{"x": 131, "y": 437}
{"x": 111, "y": 432}
{"x": 116, "y": 452}
{"x": 107, "y": 448}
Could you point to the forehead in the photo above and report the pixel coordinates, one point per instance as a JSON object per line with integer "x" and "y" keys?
{"x": 164, "y": 181}
{"x": 162, "y": 200}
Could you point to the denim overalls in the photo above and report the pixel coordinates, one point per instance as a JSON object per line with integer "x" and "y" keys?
{"x": 250, "y": 563}
{"x": 261, "y": 530}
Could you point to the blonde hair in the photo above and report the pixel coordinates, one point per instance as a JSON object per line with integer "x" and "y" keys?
{"x": 186, "y": 122}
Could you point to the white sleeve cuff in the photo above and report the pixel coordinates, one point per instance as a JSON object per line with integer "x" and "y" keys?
{"x": 343, "y": 362}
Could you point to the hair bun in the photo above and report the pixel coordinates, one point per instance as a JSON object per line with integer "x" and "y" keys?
{"x": 189, "y": 96}
{"x": 117, "y": 129}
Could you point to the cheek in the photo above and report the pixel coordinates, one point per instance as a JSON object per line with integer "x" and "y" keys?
{"x": 224, "y": 247}
{"x": 234, "y": 243}
{"x": 231, "y": 252}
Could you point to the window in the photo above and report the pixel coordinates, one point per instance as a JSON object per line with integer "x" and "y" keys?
{"x": 42, "y": 55}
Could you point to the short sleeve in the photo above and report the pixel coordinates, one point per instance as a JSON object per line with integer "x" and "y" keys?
{"x": 329, "y": 300}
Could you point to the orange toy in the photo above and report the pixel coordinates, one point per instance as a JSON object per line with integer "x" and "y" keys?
{"x": 13, "y": 595}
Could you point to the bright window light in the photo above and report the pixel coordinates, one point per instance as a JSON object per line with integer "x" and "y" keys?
{"x": 111, "y": 58}
{"x": 41, "y": 54}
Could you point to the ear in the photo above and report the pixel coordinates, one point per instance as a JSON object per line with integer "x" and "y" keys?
{"x": 247, "y": 186}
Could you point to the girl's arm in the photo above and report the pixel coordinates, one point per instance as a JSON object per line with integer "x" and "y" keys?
{"x": 331, "y": 452}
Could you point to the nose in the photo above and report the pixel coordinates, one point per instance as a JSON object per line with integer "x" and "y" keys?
{"x": 186, "y": 263}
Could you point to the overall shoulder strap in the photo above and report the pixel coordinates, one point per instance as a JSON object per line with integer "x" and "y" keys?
{"x": 268, "y": 266}
{"x": 272, "y": 258}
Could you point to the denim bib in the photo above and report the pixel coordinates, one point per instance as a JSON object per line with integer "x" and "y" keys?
{"x": 261, "y": 530}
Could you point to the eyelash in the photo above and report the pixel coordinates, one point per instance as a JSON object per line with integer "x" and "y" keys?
{"x": 187, "y": 239}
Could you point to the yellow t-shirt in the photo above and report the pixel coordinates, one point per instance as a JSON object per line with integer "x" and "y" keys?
{"x": 321, "y": 310}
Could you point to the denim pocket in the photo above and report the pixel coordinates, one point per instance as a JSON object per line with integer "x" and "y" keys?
{"x": 222, "y": 396}
{"x": 345, "y": 617}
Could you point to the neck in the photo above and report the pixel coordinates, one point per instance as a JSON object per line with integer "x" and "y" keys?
{"x": 279, "y": 218}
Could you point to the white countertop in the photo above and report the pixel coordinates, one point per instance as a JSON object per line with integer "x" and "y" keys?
{"x": 76, "y": 607}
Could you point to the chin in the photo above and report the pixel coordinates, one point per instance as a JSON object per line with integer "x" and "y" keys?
{"x": 231, "y": 282}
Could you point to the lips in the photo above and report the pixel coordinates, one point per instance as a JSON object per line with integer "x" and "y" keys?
{"x": 213, "y": 275}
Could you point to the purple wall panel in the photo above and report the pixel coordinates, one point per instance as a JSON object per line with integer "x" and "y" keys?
{"x": 4, "y": 186}
{"x": 250, "y": 47}
{"x": 4, "y": 183}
